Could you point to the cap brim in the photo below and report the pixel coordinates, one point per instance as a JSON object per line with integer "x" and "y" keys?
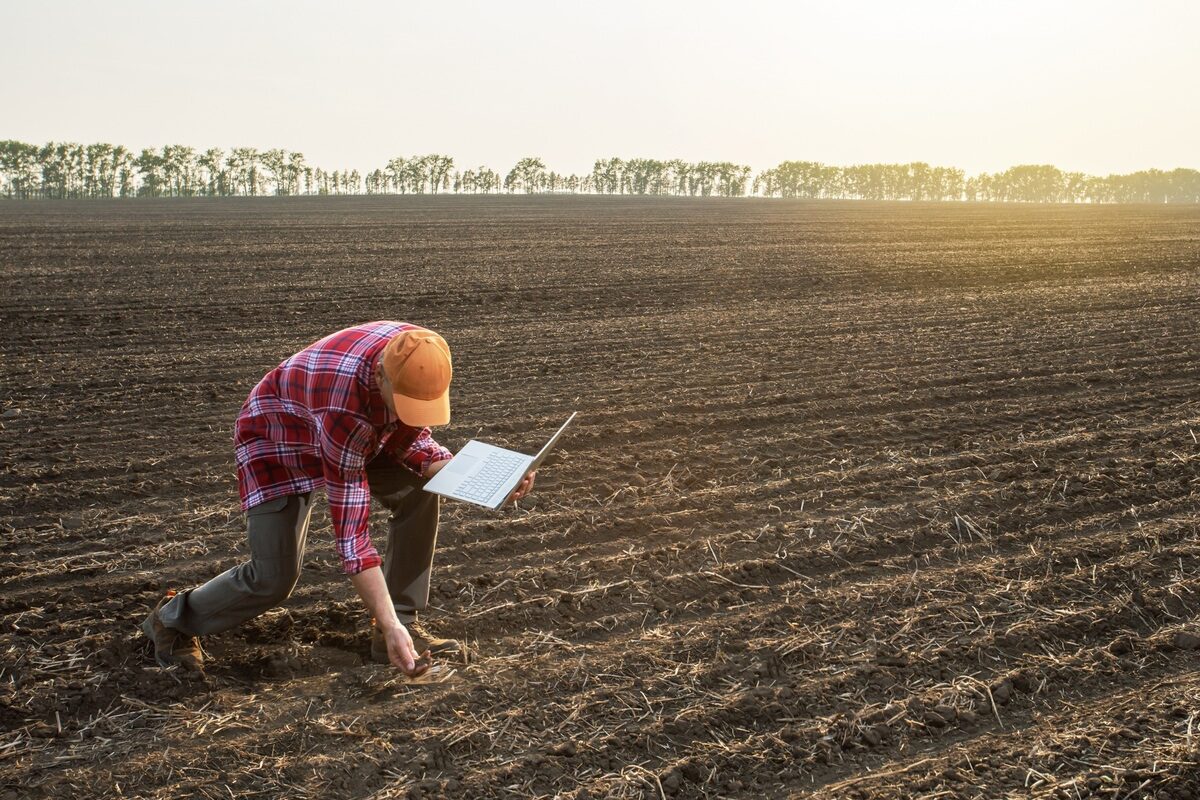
{"x": 423, "y": 413}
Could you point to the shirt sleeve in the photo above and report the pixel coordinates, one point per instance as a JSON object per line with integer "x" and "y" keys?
{"x": 345, "y": 441}
{"x": 421, "y": 453}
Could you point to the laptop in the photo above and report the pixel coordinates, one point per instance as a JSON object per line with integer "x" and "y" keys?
{"x": 487, "y": 475}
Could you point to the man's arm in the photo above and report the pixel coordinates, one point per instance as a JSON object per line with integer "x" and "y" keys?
{"x": 423, "y": 453}
{"x": 373, "y": 590}
{"x": 343, "y": 442}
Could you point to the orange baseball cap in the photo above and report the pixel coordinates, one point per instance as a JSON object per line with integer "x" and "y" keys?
{"x": 417, "y": 365}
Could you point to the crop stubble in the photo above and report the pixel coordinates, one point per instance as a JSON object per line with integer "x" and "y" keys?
{"x": 863, "y": 501}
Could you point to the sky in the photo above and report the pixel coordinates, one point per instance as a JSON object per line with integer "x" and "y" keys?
{"x": 1093, "y": 86}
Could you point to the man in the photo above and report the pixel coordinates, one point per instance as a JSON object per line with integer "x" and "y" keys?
{"x": 352, "y": 413}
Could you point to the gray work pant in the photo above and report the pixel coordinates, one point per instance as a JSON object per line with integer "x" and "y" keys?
{"x": 277, "y": 530}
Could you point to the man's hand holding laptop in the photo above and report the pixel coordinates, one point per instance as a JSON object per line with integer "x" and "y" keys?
{"x": 523, "y": 488}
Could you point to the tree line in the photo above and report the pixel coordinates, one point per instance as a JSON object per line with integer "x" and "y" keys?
{"x": 64, "y": 170}
{"x": 61, "y": 170}
{"x": 1027, "y": 183}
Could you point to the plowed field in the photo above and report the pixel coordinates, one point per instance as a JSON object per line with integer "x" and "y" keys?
{"x": 863, "y": 501}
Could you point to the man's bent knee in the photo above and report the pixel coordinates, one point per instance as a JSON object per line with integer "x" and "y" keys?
{"x": 271, "y": 583}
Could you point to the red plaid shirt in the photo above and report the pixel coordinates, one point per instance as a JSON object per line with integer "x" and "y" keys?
{"x": 316, "y": 420}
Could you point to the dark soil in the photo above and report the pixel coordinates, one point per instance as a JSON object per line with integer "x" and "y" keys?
{"x": 863, "y": 501}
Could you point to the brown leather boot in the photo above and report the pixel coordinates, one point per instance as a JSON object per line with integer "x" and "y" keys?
{"x": 423, "y": 641}
{"x": 172, "y": 646}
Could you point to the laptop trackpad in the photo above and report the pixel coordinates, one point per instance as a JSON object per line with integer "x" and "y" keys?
{"x": 462, "y": 464}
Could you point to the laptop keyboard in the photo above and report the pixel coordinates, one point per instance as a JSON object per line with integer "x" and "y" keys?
{"x": 483, "y": 484}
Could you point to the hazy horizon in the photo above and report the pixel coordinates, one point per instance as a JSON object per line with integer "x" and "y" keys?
{"x": 1094, "y": 87}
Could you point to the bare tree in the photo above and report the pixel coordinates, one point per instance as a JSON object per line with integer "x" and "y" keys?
{"x": 527, "y": 176}
{"x": 213, "y": 176}
{"x": 243, "y": 171}
{"x": 150, "y": 171}
{"x": 19, "y": 163}
{"x": 178, "y": 164}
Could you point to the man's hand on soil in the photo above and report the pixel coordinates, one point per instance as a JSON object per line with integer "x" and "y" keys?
{"x": 524, "y": 487}
{"x": 400, "y": 648}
